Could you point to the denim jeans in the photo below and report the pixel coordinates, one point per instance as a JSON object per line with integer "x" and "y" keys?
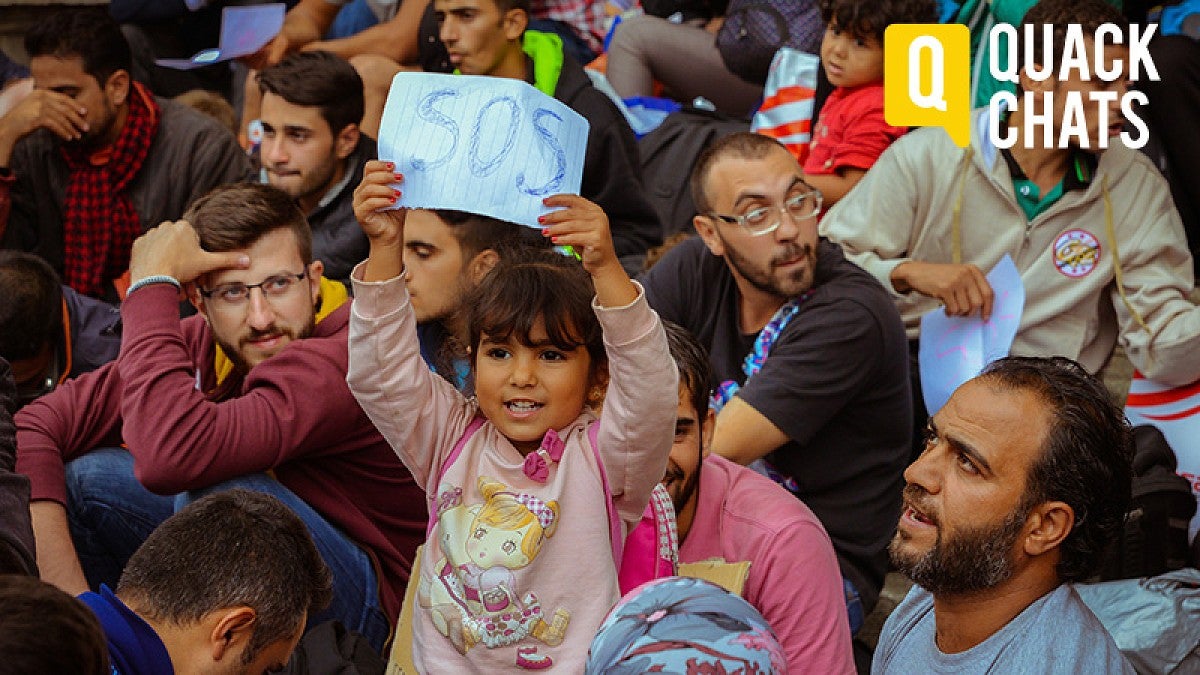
{"x": 353, "y": 18}
{"x": 111, "y": 514}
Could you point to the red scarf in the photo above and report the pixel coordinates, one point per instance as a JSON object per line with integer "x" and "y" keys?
{"x": 101, "y": 223}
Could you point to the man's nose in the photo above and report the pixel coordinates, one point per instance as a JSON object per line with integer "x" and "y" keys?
{"x": 789, "y": 226}
{"x": 924, "y": 471}
{"x": 261, "y": 313}
{"x": 274, "y": 151}
{"x": 448, "y": 32}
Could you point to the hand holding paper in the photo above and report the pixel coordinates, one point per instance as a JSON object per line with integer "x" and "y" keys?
{"x": 955, "y": 349}
{"x": 373, "y": 199}
{"x": 583, "y": 226}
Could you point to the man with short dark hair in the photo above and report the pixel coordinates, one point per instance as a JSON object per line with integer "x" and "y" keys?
{"x": 48, "y": 332}
{"x": 762, "y": 536}
{"x": 997, "y": 525}
{"x": 312, "y": 103}
{"x": 224, "y": 585}
{"x": 807, "y": 350}
{"x": 251, "y": 393}
{"x": 91, "y": 159}
{"x": 43, "y": 630}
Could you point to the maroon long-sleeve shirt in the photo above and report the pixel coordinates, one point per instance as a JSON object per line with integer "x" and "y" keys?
{"x": 292, "y": 415}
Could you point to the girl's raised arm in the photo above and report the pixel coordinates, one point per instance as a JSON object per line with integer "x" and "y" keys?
{"x": 583, "y": 226}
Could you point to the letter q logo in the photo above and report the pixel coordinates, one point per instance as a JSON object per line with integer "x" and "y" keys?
{"x": 926, "y": 78}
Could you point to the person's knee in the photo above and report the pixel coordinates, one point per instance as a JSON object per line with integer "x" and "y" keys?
{"x": 376, "y": 71}
{"x": 634, "y": 36}
{"x": 98, "y": 475}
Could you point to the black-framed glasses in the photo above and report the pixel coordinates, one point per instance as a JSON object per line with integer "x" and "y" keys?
{"x": 758, "y": 221}
{"x": 237, "y": 293}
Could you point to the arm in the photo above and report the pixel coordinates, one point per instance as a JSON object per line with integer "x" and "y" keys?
{"x": 304, "y": 23}
{"x": 834, "y": 186}
{"x": 874, "y": 227}
{"x": 1157, "y": 276}
{"x": 395, "y": 38}
{"x": 419, "y": 413}
{"x": 42, "y": 109}
{"x": 742, "y": 434}
{"x": 637, "y": 424}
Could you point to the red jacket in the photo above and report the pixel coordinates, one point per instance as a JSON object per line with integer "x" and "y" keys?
{"x": 292, "y": 415}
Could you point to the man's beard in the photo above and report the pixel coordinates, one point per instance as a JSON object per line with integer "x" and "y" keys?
{"x": 686, "y": 490}
{"x": 793, "y": 284}
{"x": 973, "y": 560}
{"x": 240, "y": 365}
{"x": 312, "y": 184}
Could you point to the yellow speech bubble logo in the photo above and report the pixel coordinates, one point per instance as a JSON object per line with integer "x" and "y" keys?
{"x": 927, "y": 77}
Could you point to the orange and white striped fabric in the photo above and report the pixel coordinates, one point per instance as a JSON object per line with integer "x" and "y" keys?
{"x": 786, "y": 113}
{"x": 1176, "y": 412}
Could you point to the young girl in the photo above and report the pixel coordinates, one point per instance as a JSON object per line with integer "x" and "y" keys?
{"x": 518, "y": 570}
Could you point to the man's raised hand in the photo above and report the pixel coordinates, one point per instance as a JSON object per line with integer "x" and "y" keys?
{"x": 173, "y": 249}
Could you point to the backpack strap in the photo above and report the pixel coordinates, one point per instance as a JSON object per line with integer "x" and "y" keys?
{"x": 614, "y": 522}
{"x": 450, "y": 459}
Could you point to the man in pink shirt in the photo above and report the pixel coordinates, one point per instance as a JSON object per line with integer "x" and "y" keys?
{"x": 750, "y": 532}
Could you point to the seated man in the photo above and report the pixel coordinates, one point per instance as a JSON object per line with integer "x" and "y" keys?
{"x": 1097, "y": 240}
{"x": 48, "y": 332}
{"x": 446, "y": 253}
{"x": 312, "y": 149}
{"x": 489, "y": 37}
{"x": 16, "y": 535}
{"x": 91, "y": 159}
{"x": 997, "y": 525}
{"x": 225, "y": 585}
{"x": 807, "y": 349}
{"x": 732, "y": 514}
{"x": 255, "y": 384}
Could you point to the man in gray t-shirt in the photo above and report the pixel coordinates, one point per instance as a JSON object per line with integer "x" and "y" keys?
{"x": 1024, "y": 477}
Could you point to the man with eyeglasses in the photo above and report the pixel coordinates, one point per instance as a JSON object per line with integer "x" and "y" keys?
{"x": 808, "y": 352}
{"x": 251, "y": 393}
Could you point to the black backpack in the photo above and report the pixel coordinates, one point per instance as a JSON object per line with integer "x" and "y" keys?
{"x": 1154, "y": 539}
{"x": 668, "y": 154}
{"x": 755, "y": 29}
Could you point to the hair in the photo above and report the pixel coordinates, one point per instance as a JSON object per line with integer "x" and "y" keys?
{"x": 869, "y": 18}
{"x": 1089, "y": 14}
{"x": 501, "y": 509}
{"x": 1086, "y": 461}
{"x": 319, "y": 79}
{"x": 740, "y": 144}
{"x": 90, "y": 34}
{"x": 229, "y": 549}
{"x": 31, "y": 314}
{"x": 505, "y": 5}
{"x": 691, "y": 360}
{"x": 477, "y": 233}
{"x": 235, "y": 216}
{"x": 210, "y": 103}
{"x": 532, "y": 284}
{"x": 44, "y": 630}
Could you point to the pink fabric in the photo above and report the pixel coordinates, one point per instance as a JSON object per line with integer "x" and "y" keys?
{"x": 850, "y": 132}
{"x": 570, "y": 573}
{"x": 794, "y": 577}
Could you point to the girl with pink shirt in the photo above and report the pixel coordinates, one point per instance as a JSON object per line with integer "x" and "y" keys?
{"x": 531, "y": 491}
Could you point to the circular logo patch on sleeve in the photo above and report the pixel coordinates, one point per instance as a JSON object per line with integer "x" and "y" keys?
{"x": 1076, "y": 253}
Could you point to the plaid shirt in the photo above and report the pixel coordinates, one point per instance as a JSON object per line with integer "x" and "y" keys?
{"x": 585, "y": 17}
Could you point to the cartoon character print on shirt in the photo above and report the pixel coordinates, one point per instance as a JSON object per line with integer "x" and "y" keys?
{"x": 473, "y": 596}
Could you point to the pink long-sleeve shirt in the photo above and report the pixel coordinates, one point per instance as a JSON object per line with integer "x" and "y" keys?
{"x": 559, "y": 586}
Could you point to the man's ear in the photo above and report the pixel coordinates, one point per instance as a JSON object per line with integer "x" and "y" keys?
{"x": 230, "y": 632}
{"x": 708, "y": 232}
{"x": 316, "y": 268}
{"x": 192, "y": 289}
{"x": 1048, "y": 525}
{"x": 116, "y": 88}
{"x": 706, "y": 430}
{"x": 514, "y": 24}
{"x": 1030, "y": 84}
{"x": 481, "y": 264}
{"x": 346, "y": 141}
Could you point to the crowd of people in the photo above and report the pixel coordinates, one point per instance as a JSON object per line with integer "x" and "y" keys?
{"x": 242, "y": 395}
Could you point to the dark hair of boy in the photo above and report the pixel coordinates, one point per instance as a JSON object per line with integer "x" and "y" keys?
{"x": 869, "y": 18}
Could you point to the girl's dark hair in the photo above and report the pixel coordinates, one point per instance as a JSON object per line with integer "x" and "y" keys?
{"x": 529, "y": 284}
{"x": 869, "y": 18}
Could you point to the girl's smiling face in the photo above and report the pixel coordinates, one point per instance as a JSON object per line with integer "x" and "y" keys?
{"x": 527, "y": 389}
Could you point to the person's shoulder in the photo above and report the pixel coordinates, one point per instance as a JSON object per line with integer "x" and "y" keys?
{"x": 843, "y": 285}
{"x": 755, "y": 502}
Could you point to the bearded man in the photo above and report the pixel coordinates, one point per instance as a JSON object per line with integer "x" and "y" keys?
{"x": 997, "y": 523}
{"x": 807, "y": 350}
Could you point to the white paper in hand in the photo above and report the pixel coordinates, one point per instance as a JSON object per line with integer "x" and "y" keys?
{"x": 954, "y": 348}
{"x": 244, "y": 30}
{"x": 488, "y": 145}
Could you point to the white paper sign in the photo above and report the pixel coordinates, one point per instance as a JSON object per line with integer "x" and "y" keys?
{"x": 244, "y": 30}
{"x": 488, "y": 145}
{"x": 1176, "y": 412}
{"x": 954, "y": 348}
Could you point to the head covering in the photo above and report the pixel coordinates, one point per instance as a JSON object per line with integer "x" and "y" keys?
{"x": 682, "y": 625}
